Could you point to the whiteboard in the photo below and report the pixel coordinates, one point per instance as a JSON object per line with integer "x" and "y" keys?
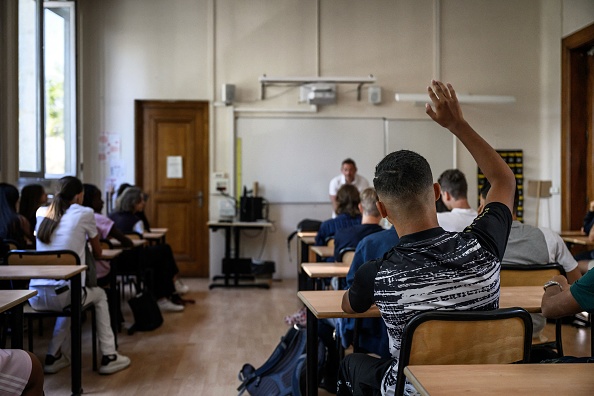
{"x": 294, "y": 159}
{"x": 425, "y": 137}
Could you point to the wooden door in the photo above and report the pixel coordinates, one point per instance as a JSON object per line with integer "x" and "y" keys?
{"x": 172, "y": 168}
{"x": 577, "y": 140}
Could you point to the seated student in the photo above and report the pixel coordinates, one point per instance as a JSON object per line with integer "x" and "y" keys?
{"x": 534, "y": 245}
{"x": 561, "y": 299}
{"x": 33, "y": 196}
{"x": 370, "y": 219}
{"x": 443, "y": 270}
{"x": 454, "y": 191}
{"x": 348, "y": 214}
{"x": 66, "y": 225}
{"x": 12, "y": 224}
{"x": 20, "y": 373}
{"x": 158, "y": 258}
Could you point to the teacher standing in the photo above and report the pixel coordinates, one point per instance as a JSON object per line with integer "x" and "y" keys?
{"x": 348, "y": 175}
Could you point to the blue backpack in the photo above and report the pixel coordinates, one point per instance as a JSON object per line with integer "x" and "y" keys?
{"x": 284, "y": 372}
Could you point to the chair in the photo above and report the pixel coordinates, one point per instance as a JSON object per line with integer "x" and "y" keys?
{"x": 534, "y": 275}
{"x": 346, "y": 255}
{"x": 330, "y": 241}
{"x": 465, "y": 337}
{"x": 52, "y": 257}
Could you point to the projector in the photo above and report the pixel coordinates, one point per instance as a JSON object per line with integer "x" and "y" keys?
{"x": 318, "y": 94}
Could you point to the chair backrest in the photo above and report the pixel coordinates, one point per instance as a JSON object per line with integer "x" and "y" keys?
{"x": 11, "y": 244}
{"x": 35, "y": 257}
{"x": 346, "y": 255}
{"x": 465, "y": 337}
{"x": 528, "y": 274}
{"x": 330, "y": 241}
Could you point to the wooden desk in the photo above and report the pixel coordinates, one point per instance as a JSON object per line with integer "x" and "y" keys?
{"x": 325, "y": 304}
{"x": 323, "y": 270}
{"x": 136, "y": 243}
{"x": 155, "y": 237}
{"x": 503, "y": 379}
{"x": 570, "y": 233}
{"x": 233, "y": 266}
{"x": 13, "y": 300}
{"x": 66, "y": 272}
{"x": 305, "y": 239}
{"x": 322, "y": 251}
{"x": 577, "y": 240}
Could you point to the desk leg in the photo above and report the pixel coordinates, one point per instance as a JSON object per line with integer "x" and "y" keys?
{"x": 16, "y": 337}
{"x": 311, "y": 367}
{"x": 114, "y": 302}
{"x": 75, "y": 335}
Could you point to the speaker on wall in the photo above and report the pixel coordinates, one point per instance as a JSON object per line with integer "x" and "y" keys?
{"x": 228, "y": 93}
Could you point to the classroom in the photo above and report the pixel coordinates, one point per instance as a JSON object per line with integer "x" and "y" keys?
{"x": 226, "y": 58}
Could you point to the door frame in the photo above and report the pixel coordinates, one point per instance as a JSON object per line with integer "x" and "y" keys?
{"x": 577, "y": 162}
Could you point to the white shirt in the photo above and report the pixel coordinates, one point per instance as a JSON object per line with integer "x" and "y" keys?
{"x": 360, "y": 182}
{"x": 456, "y": 220}
{"x": 76, "y": 224}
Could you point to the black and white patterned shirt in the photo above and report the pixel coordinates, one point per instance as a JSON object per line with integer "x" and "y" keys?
{"x": 434, "y": 270}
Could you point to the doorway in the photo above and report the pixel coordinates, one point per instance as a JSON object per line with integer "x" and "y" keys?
{"x": 577, "y": 141}
{"x": 172, "y": 168}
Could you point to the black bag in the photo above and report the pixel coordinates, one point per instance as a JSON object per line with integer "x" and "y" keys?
{"x": 147, "y": 315}
{"x": 283, "y": 373}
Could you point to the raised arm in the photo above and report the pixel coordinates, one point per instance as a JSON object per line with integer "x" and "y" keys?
{"x": 448, "y": 114}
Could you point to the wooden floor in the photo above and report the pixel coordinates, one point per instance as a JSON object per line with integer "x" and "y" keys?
{"x": 200, "y": 351}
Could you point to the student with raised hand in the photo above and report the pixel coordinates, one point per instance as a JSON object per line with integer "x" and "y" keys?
{"x": 66, "y": 225}
{"x": 407, "y": 196}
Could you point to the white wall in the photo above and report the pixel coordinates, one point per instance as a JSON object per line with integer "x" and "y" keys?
{"x": 185, "y": 49}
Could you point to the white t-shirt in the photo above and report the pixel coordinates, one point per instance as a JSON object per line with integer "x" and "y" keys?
{"x": 76, "y": 224}
{"x": 456, "y": 220}
{"x": 360, "y": 182}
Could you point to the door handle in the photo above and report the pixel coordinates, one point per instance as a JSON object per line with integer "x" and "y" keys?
{"x": 200, "y": 199}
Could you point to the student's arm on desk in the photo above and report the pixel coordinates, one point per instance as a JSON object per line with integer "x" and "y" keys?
{"x": 346, "y": 304}
{"x": 558, "y": 302}
{"x": 119, "y": 235}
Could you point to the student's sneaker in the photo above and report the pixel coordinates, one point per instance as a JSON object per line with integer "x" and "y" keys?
{"x": 180, "y": 287}
{"x": 113, "y": 363}
{"x": 54, "y": 364}
{"x": 166, "y": 305}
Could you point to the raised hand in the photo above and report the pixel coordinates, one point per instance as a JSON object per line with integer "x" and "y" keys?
{"x": 447, "y": 112}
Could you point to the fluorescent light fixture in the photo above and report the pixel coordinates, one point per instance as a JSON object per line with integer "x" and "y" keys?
{"x": 424, "y": 98}
{"x": 302, "y": 80}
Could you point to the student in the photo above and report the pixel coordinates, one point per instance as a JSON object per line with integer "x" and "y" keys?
{"x": 348, "y": 170}
{"x": 66, "y": 225}
{"x": 586, "y": 259}
{"x": 12, "y": 225}
{"x": 535, "y": 245}
{"x": 348, "y": 214}
{"x": 20, "y": 373}
{"x": 562, "y": 299}
{"x": 454, "y": 190}
{"x": 428, "y": 260}
{"x": 370, "y": 219}
{"x": 33, "y": 196}
{"x": 159, "y": 258}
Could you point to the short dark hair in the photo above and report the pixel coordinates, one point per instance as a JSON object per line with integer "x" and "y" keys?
{"x": 454, "y": 182}
{"x": 347, "y": 200}
{"x": 349, "y": 161}
{"x": 402, "y": 175}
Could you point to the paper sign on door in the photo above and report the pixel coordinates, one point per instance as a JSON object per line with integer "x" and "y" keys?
{"x": 174, "y": 167}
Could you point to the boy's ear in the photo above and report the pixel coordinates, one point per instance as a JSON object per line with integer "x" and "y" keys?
{"x": 382, "y": 209}
{"x": 437, "y": 190}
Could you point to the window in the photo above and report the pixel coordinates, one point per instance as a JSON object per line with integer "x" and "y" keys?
{"x": 47, "y": 88}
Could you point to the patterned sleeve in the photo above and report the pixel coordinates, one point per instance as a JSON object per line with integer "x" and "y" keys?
{"x": 492, "y": 227}
{"x": 361, "y": 291}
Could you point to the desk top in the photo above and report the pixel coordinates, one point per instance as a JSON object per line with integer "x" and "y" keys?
{"x": 110, "y": 254}
{"x": 326, "y": 270}
{"x": 136, "y": 242}
{"x": 323, "y": 251}
{"x": 307, "y": 239}
{"x": 16, "y": 272}
{"x": 570, "y": 233}
{"x": 12, "y": 298}
{"x": 503, "y": 379}
{"x": 307, "y": 234}
{"x": 240, "y": 224}
{"x": 578, "y": 240}
{"x": 327, "y": 303}
{"x": 153, "y": 235}
{"x": 160, "y": 230}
